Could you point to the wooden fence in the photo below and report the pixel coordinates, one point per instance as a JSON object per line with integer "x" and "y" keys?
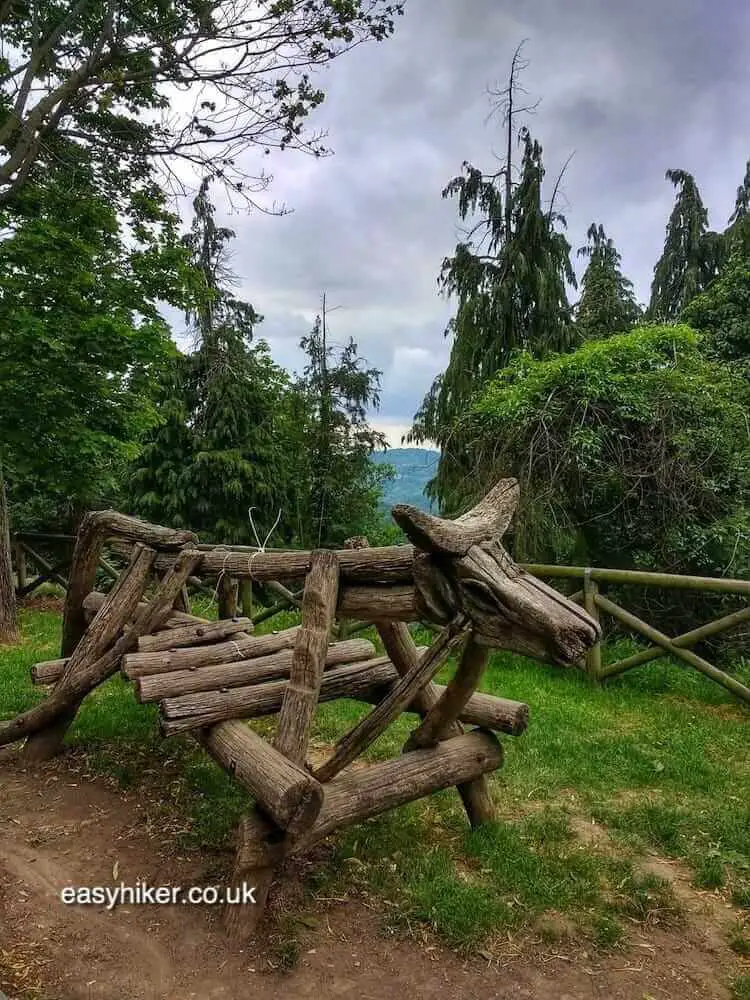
{"x": 229, "y": 598}
{"x": 661, "y": 645}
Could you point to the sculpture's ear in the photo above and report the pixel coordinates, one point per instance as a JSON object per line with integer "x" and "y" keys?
{"x": 488, "y": 519}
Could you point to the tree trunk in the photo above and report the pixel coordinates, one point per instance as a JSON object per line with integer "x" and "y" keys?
{"x": 8, "y": 619}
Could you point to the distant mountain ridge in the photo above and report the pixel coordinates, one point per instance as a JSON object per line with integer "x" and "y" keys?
{"x": 414, "y": 468}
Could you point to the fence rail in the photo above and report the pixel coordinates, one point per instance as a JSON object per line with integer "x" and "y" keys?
{"x": 662, "y": 645}
{"x": 594, "y": 602}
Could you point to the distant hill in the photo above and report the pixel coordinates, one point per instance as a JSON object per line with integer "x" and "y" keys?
{"x": 414, "y": 467}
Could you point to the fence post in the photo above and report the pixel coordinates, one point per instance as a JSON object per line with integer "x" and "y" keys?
{"x": 594, "y": 653}
{"x": 20, "y": 554}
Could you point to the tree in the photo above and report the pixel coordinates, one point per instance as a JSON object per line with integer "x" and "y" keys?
{"x": 105, "y": 75}
{"x": 632, "y": 452}
{"x": 216, "y": 453}
{"x": 692, "y": 255}
{"x": 509, "y": 277}
{"x": 738, "y": 230}
{"x": 722, "y": 312}
{"x": 335, "y": 489}
{"x": 607, "y": 304}
{"x": 81, "y": 337}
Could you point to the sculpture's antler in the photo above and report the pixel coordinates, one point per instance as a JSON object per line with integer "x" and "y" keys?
{"x": 489, "y": 519}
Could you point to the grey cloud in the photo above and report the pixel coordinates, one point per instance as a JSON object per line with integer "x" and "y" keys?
{"x": 631, "y": 89}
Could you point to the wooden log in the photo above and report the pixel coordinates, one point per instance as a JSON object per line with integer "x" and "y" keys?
{"x": 19, "y": 553}
{"x": 93, "y": 601}
{"x": 445, "y": 713}
{"x": 274, "y": 609}
{"x": 95, "y": 528}
{"x": 49, "y": 721}
{"x": 350, "y": 798}
{"x": 227, "y": 590}
{"x": 293, "y": 600}
{"x": 286, "y": 792}
{"x": 244, "y": 647}
{"x": 388, "y": 564}
{"x": 182, "y": 602}
{"x": 246, "y": 597}
{"x": 369, "y": 681}
{"x": 357, "y": 795}
{"x": 399, "y": 644}
{"x": 373, "y": 604}
{"x": 48, "y": 671}
{"x": 224, "y": 676}
{"x": 593, "y": 656}
{"x": 400, "y": 696}
{"x": 193, "y": 635}
{"x": 265, "y": 699}
{"x": 261, "y": 846}
{"x": 309, "y": 658}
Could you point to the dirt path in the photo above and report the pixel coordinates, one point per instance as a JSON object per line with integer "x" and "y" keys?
{"x": 56, "y": 832}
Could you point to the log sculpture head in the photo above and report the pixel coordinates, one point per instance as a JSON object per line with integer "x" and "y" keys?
{"x": 461, "y": 568}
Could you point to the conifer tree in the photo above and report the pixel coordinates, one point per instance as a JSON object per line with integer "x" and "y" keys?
{"x": 607, "y": 304}
{"x": 692, "y": 255}
{"x": 509, "y": 277}
{"x": 335, "y": 487}
{"x": 215, "y": 455}
{"x": 738, "y": 231}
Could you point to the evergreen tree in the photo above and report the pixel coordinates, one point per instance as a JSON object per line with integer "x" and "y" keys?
{"x": 509, "y": 278}
{"x": 215, "y": 454}
{"x": 738, "y": 231}
{"x": 607, "y": 304}
{"x": 692, "y": 255}
{"x": 335, "y": 488}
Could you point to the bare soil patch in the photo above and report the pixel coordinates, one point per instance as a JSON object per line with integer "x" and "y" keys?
{"x": 56, "y": 830}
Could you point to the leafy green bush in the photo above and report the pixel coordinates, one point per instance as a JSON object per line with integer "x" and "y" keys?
{"x": 632, "y": 452}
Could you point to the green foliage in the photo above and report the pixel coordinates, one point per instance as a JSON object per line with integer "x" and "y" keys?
{"x": 216, "y": 452}
{"x": 722, "y": 312}
{"x": 334, "y": 488}
{"x": 692, "y": 255}
{"x": 509, "y": 278}
{"x": 81, "y": 338}
{"x": 607, "y": 304}
{"x": 631, "y": 452}
{"x": 102, "y": 72}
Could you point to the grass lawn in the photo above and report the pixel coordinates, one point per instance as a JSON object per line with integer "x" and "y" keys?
{"x": 656, "y": 761}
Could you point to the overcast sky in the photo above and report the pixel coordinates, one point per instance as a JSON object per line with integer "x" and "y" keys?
{"x": 631, "y": 89}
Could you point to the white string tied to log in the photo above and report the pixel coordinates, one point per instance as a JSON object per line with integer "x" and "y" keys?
{"x": 261, "y": 549}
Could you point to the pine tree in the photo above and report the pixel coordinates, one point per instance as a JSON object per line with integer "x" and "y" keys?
{"x": 215, "y": 454}
{"x": 692, "y": 255}
{"x": 738, "y": 231}
{"x": 509, "y": 278}
{"x": 607, "y": 304}
{"x": 336, "y": 488}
